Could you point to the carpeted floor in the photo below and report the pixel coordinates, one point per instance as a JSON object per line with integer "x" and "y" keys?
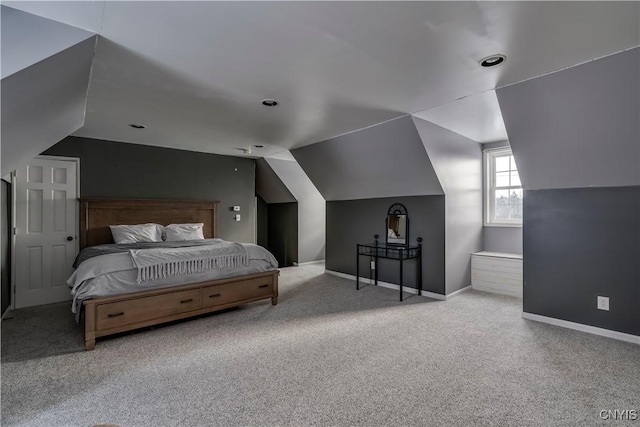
{"x": 325, "y": 355}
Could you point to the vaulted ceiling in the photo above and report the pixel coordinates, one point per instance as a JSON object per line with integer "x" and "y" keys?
{"x": 195, "y": 73}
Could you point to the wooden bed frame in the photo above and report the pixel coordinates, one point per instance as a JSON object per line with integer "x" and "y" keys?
{"x": 118, "y": 313}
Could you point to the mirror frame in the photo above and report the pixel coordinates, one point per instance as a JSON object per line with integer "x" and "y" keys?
{"x": 397, "y": 209}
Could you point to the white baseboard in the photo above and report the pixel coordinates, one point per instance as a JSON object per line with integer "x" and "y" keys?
{"x": 432, "y": 295}
{"x": 298, "y": 264}
{"x": 499, "y": 290}
{"x": 388, "y": 285}
{"x": 459, "y": 291}
{"x": 583, "y": 328}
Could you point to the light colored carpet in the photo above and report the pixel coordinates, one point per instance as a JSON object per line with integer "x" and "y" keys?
{"x": 325, "y": 355}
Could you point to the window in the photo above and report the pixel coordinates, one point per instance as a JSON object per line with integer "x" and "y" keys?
{"x": 503, "y": 202}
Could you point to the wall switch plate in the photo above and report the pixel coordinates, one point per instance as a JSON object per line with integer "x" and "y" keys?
{"x": 603, "y": 303}
{"x": 373, "y": 265}
{"x": 236, "y": 208}
{"x": 237, "y": 218}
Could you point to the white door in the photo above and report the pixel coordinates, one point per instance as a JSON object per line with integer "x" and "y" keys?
{"x": 45, "y": 235}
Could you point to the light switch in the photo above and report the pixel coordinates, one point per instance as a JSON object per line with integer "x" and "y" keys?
{"x": 237, "y": 217}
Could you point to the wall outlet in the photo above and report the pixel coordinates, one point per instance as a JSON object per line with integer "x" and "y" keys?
{"x": 603, "y": 303}
{"x": 236, "y": 208}
{"x": 237, "y": 218}
{"x": 373, "y": 265}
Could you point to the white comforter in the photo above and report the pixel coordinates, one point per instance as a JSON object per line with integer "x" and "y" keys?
{"x": 114, "y": 274}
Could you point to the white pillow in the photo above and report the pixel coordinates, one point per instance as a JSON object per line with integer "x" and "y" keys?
{"x": 179, "y": 232}
{"x": 136, "y": 233}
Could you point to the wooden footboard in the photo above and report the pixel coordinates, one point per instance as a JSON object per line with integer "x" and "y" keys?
{"x": 112, "y": 314}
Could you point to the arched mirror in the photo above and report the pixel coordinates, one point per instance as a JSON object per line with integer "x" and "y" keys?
{"x": 397, "y": 225}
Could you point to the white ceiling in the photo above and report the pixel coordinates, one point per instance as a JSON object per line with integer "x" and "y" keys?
{"x": 478, "y": 117}
{"x": 195, "y": 72}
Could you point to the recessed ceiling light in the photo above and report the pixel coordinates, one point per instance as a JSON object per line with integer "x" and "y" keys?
{"x": 270, "y": 102}
{"x": 493, "y": 60}
{"x": 137, "y": 126}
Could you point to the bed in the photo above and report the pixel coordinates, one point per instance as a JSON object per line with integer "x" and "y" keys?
{"x": 113, "y": 308}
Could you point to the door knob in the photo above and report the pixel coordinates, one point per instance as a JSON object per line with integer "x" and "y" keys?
{"x": 69, "y": 238}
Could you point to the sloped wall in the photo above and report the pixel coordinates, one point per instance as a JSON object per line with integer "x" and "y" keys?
{"x": 269, "y": 186}
{"x": 44, "y": 103}
{"x": 577, "y": 127}
{"x": 311, "y": 209}
{"x": 457, "y": 161}
{"x": 28, "y": 39}
{"x": 45, "y": 76}
{"x": 386, "y": 160}
{"x": 576, "y": 138}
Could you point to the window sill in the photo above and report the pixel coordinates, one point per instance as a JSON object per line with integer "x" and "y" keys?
{"x": 502, "y": 225}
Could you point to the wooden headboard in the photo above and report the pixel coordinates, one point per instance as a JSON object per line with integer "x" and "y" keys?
{"x": 96, "y": 215}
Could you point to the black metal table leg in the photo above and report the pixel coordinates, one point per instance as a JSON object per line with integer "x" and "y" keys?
{"x": 357, "y": 267}
{"x": 375, "y": 273}
{"x": 401, "y": 278}
{"x": 375, "y": 262}
{"x": 377, "y": 251}
{"x": 419, "y": 265}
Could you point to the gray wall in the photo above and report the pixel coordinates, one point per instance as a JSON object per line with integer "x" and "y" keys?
{"x": 577, "y": 127}
{"x": 579, "y": 244}
{"x": 385, "y": 160}
{"x": 458, "y": 165}
{"x": 116, "y": 169}
{"x": 5, "y": 209}
{"x": 283, "y": 232}
{"x": 502, "y": 239}
{"x": 351, "y": 222}
{"x": 44, "y": 103}
{"x": 311, "y": 209}
{"x": 262, "y": 222}
{"x": 278, "y": 230}
{"x": 499, "y": 239}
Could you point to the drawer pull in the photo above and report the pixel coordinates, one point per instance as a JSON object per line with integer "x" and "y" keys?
{"x": 116, "y": 314}
{"x": 184, "y": 301}
{"x": 214, "y": 295}
{"x": 263, "y": 286}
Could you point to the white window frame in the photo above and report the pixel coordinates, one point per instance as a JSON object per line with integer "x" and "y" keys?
{"x": 489, "y": 188}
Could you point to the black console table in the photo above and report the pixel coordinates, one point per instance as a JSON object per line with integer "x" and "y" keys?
{"x": 390, "y": 251}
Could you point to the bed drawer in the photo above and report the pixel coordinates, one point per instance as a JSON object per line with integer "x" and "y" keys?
{"x": 231, "y": 292}
{"x": 120, "y": 313}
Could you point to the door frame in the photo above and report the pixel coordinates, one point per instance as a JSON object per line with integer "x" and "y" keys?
{"x": 12, "y": 232}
